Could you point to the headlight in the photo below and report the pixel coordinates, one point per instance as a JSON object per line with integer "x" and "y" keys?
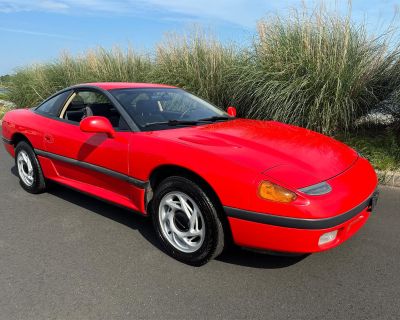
{"x": 273, "y": 192}
{"x": 317, "y": 189}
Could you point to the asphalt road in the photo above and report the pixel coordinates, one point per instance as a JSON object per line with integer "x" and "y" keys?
{"x": 64, "y": 255}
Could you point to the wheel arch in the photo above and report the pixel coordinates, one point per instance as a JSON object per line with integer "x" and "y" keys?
{"x": 164, "y": 171}
{"x": 18, "y": 137}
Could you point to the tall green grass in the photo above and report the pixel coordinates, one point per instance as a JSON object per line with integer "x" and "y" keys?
{"x": 196, "y": 62}
{"x": 32, "y": 84}
{"x": 314, "y": 68}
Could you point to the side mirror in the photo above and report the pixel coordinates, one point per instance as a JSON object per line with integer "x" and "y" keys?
{"x": 231, "y": 111}
{"x": 96, "y": 124}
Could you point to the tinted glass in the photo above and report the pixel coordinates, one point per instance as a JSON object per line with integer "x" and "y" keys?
{"x": 90, "y": 103}
{"x": 52, "y": 107}
{"x": 90, "y": 97}
{"x": 151, "y": 108}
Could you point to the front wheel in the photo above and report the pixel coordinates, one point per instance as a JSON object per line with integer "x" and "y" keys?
{"x": 186, "y": 221}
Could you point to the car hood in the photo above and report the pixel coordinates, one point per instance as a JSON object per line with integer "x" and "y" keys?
{"x": 292, "y": 155}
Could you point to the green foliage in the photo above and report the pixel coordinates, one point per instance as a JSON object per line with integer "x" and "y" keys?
{"x": 315, "y": 69}
{"x": 197, "y": 63}
{"x": 393, "y": 108}
{"x": 381, "y": 147}
{"x": 4, "y": 79}
{"x": 32, "y": 84}
{"x": 4, "y": 107}
{"x": 3, "y": 110}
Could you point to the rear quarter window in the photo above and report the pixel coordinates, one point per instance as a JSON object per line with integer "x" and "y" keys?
{"x": 52, "y": 107}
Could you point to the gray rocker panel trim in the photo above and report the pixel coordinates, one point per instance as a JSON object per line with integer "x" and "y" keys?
{"x": 136, "y": 182}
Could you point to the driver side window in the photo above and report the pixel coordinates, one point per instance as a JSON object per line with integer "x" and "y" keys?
{"x": 88, "y": 103}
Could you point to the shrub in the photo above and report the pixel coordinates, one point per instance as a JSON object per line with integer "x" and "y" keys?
{"x": 32, "y": 84}
{"x": 316, "y": 70}
{"x": 4, "y": 107}
{"x": 198, "y": 63}
{"x": 393, "y": 108}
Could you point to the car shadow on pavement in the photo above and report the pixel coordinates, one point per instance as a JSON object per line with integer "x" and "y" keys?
{"x": 258, "y": 259}
{"x": 119, "y": 214}
{"x": 234, "y": 255}
{"x": 108, "y": 210}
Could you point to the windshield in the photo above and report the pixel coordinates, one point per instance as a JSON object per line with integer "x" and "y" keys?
{"x": 161, "y": 108}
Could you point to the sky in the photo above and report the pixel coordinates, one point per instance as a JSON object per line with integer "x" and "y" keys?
{"x": 38, "y": 31}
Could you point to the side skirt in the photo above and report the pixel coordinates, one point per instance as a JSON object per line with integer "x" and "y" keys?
{"x": 136, "y": 182}
{"x": 135, "y": 202}
{"x": 113, "y": 203}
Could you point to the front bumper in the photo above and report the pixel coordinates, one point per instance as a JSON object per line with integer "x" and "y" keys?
{"x": 285, "y": 234}
{"x": 6, "y": 141}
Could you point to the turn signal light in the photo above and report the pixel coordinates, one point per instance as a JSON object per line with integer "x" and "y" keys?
{"x": 273, "y": 192}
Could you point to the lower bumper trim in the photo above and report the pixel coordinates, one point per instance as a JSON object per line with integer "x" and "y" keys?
{"x": 300, "y": 223}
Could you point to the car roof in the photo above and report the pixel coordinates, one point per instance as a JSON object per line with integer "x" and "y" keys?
{"x": 124, "y": 85}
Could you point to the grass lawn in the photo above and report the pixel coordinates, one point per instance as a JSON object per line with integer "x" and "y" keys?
{"x": 381, "y": 147}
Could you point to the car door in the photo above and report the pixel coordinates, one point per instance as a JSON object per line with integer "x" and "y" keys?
{"x": 91, "y": 162}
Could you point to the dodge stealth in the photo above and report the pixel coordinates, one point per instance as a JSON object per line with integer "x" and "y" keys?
{"x": 204, "y": 176}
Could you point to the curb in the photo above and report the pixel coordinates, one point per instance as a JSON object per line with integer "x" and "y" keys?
{"x": 389, "y": 178}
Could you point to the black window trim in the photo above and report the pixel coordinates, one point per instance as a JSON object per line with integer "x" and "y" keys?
{"x": 166, "y": 88}
{"x": 48, "y": 115}
{"x": 78, "y": 88}
{"x": 124, "y": 114}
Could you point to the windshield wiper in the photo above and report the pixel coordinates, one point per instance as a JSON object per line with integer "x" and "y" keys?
{"x": 173, "y": 123}
{"x": 177, "y": 122}
{"x": 216, "y": 118}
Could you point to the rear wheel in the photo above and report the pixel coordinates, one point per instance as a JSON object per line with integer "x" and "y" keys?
{"x": 186, "y": 221}
{"x": 29, "y": 171}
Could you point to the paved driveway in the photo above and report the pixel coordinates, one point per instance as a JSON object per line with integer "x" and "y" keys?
{"x": 64, "y": 255}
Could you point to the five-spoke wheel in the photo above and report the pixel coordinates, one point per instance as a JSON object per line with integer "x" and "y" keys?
{"x": 181, "y": 222}
{"x": 28, "y": 167}
{"x": 25, "y": 169}
{"x": 187, "y": 221}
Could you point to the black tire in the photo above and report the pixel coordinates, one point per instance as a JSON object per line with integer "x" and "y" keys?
{"x": 213, "y": 243}
{"x": 39, "y": 183}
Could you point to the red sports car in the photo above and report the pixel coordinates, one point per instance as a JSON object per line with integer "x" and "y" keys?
{"x": 203, "y": 175}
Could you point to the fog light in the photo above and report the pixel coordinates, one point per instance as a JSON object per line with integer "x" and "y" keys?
{"x": 327, "y": 237}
